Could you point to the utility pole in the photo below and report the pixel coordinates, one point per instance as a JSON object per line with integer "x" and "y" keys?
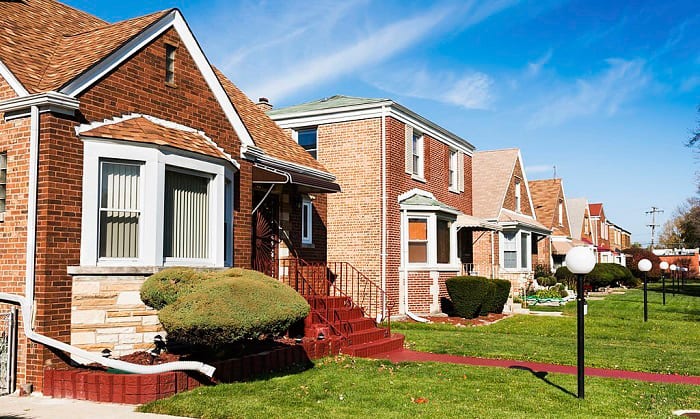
{"x": 653, "y": 225}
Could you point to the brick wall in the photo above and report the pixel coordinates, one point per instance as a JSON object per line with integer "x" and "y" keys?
{"x": 14, "y": 140}
{"x": 509, "y": 200}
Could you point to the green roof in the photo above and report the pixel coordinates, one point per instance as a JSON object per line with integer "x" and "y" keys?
{"x": 337, "y": 101}
{"x": 424, "y": 201}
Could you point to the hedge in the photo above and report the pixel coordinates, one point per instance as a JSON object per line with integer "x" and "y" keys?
{"x": 167, "y": 285}
{"x": 602, "y": 275}
{"x": 220, "y": 307}
{"x": 475, "y": 295}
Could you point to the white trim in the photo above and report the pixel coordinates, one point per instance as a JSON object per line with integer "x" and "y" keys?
{"x": 309, "y": 237}
{"x": 175, "y": 20}
{"x": 12, "y": 80}
{"x": 285, "y": 165}
{"x": 373, "y": 110}
{"x": 518, "y": 251}
{"x": 431, "y": 265}
{"x": 18, "y": 107}
{"x": 415, "y": 191}
{"x": 151, "y": 227}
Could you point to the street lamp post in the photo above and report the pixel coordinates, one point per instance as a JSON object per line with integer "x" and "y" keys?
{"x": 673, "y": 268}
{"x": 663, "y": 266}
{"x": 580, "y": 261}
{"x": 644, "y": 265}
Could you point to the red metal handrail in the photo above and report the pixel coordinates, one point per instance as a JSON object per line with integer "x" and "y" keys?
{"x": 290, "y": 273}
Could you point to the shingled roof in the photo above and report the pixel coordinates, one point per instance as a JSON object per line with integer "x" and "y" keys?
{"x": 151, "y": 130}
{"x": 491, "y": 173}
{"x": 545, "y": 195}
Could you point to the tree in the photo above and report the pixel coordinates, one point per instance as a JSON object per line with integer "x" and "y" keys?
{"x": 683, "y": 229}
{"x": 694, "y": 140}
{"x": 634, "y": 255}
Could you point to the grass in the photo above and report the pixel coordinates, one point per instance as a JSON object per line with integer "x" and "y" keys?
{"x": 616, "y": 336}
{"x": 344, "y": 387}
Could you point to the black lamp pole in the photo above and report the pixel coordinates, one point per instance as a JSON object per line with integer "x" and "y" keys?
{"x": 663, "y": 287}
{"x": 580, "y": 303}
{"x": 645, "y": 296}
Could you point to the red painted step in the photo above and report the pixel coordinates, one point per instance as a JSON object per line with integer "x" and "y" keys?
{"x": 382, "y": 346}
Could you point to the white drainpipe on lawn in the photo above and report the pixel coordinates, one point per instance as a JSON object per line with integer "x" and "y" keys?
{"x": 26, "y": 303}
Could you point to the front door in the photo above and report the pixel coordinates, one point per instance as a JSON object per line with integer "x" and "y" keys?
{"x": 266, "y": 235}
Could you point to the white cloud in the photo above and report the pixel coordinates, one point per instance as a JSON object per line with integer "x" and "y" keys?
{"x": 471, "y": 90}
{"x": 540, "y": 168}
{"x": 534, "y": 68}
{"x": 374, "y": 48}
{"x": 603, "y": 93}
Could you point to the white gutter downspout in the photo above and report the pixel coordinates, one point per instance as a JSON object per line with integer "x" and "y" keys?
{"x": 493, "y": 259}
{"x": 27, "y": 302}
{"x": 384, "y": 211}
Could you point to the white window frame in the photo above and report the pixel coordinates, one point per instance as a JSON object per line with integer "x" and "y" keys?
{"x": 518, "y": 195}
{"x": 518, "y": 251}
{"x": 295, "y": 137}
{"x": 308, "y": 220}
{"x": 418, "y": 155}
{"x": 151, "y": 227}
{"x": 4, "y": 184}
{"x": 454, "y": 171}
{"x": 431, "y": 218}
{"x": 561, "y": 213}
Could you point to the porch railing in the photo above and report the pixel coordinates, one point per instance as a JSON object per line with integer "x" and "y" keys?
{"x": 341, "y": 279}
{"x": 294, "y": 272}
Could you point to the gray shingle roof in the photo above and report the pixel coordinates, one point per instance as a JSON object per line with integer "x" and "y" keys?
{"x": 336, "y": 101}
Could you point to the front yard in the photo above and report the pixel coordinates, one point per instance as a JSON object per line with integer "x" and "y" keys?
{"x": 616, "y": 337}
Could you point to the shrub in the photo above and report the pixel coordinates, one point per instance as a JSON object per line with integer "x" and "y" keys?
{"x": 220, "y": 307}
{"x": 606, "y": 274}
{"x": 547, "y": 281}
{"x": 167, "y": 285}
{"x": 550, "y": 293}
{"x": 468, "y": 294}
{"x": 489, "y": 298}
{"x": 542, "y": 271}
{"x": 564, "y": 275}
{"x": 501, "y": 295}
{"x": 635, "y": 254}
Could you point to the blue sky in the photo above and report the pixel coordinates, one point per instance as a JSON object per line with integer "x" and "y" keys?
{"x": 605, "y": 91}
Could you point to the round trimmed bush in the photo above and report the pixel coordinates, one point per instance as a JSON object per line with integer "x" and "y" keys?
{"x": 500, "y": 296}
{"x": 230, "y": 306}
{"x": 167, "y": 285}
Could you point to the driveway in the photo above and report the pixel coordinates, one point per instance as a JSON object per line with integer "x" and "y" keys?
{"x": 37, "y": 407}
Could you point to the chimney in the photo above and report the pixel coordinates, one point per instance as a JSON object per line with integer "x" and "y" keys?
{"x": 264, "y": 104}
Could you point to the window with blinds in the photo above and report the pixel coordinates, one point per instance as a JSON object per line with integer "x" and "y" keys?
{"x": 119, "y": 209}
{"x": 186, "y": 216}
{"x": 510, "y": 250}
{"x": 443, "y": 241}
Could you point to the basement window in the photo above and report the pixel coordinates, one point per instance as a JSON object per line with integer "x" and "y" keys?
{"x": 3, "y": 184}
{"x": 170, "y": 63}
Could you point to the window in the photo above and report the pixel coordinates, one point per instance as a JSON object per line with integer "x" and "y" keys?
{"x": 515, "y": 250}
{"x": 586, "y": 225}
{"x": 417, "y": 154}
{"x": 119, "y": 209}
{"x": 417, "y": 240}
{"x": 165, "y": 209}
{"x": 170, "y": 63}
{"x": 3, "y": 185}
{"x": 307, "y": 138}
{"x": 186, "y": 221}
{"x": 510, "y": 250}
{"x": 307, "y": 214}
{"x": 454, "y": 166}
{"x": 443, "y": 241}
{"x": 561, "y": 213}
{"x": 517, "y": 195}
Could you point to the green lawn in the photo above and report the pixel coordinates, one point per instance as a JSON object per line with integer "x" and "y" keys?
{"x": 356, "y": 388}
{"x": 616, "y": 336}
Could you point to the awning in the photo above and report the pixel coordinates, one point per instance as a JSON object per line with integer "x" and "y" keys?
{"x": 307, "y": 183}
{"x": 561, "y": 247}
{"x": 475, "y": 223}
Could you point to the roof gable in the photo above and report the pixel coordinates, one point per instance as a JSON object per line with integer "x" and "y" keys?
{"x": 492, "y": 172}
{"x": 546, "y": 196}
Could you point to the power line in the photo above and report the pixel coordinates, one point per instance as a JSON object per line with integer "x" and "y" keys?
{"x": 653, "y": 225}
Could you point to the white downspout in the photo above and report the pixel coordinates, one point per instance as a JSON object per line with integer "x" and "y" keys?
{"x": 384, "y": 210}
{"x": 493, "y": 258}
{"x": 27, "y": 302}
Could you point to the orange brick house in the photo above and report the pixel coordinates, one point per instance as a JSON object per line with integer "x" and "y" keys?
{"x": 580, "y": 223}
{"x": 122, "y": 150}
{"x": 403, "y": 219}
{"x": 551, "y": 210}
{"x": 502, "y": 196}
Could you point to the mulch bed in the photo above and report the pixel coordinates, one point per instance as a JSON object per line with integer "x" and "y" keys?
{"x": 462, "y": 322}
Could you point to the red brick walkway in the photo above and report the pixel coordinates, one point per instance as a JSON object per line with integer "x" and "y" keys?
{"x": 406, "y": 355}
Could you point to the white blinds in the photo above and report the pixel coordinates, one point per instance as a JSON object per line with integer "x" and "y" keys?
{"x": 119, "y": 209}
{"x": 186, "y": 233}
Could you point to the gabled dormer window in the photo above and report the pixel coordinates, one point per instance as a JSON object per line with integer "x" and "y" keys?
{"x": 170, "y": 63}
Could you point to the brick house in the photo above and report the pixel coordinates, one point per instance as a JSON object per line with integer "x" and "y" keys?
{"x": 403, "y": 219}
{"x": 551, "y": 210}
{"x": 502, "y": 196}
{"x": 601, "y": 233}
{"x": 122, "y": 150}
{"x": 620, "y": 239}
{"x": 580, "y": 223}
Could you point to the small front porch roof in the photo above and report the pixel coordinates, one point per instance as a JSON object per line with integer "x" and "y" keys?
{"x": 307, "y": 183}
{"x": 475, "y": 223}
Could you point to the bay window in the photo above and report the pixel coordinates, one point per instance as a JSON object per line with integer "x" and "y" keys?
{"x": 430, "y": 239}
{"x": 186, "y": 224}
{"x": 119, "y": 209}
{"x": 417, "y": 240}
{"x": 515, "y": 248}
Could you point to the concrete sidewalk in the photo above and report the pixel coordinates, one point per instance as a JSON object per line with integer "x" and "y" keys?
{"x": 406, "y": 355}
{"x": 38, "y": 407}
